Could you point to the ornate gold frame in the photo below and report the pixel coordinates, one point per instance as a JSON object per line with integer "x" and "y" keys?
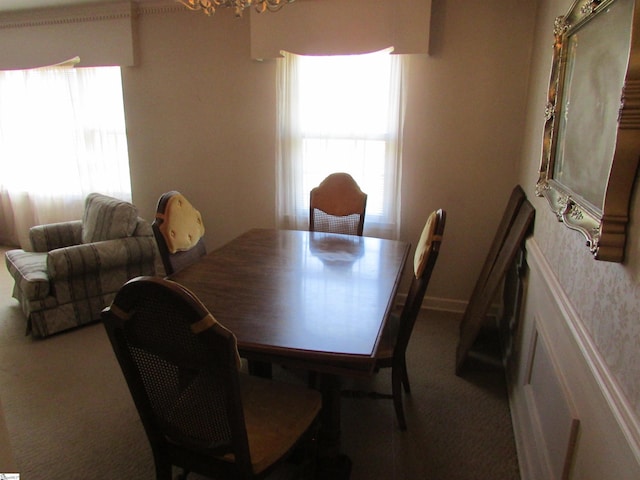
{"x": 589, "y": 158}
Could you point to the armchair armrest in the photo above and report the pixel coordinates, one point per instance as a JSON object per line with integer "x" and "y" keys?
{"x": 55, "y": 235}
{"x": 87, "y": 258}
{"x": 93, "y": 269}
{"x": 143, "y": 228}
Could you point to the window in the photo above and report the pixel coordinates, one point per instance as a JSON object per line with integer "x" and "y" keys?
{"x": 62, "y": 136}
{"x": 340, "y": 113}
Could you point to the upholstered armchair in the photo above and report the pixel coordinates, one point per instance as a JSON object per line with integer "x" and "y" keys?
{"x": 75, "y": 268}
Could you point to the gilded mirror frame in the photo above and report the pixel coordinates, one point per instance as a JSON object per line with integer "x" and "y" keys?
{"x": 591, "y": 143}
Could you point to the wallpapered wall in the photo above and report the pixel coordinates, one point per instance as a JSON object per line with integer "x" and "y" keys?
{"x": 605, "y": 295}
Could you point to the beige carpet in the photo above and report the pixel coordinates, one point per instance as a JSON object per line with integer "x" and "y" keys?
{"x": 70, "y": 415}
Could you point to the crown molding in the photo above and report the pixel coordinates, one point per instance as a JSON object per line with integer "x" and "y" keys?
{"x": 160, "y": 6}
{"x": 68, "y": 14}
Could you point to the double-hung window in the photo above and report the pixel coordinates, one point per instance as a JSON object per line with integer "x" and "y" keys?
{"x": 340, "y": 114}
{"x": 62, "y": 136}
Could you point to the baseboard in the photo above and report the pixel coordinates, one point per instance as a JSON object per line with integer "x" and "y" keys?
{"x": 444, "y": 304}
{"x": 437, "y": 303}
{"x": 447, "y": 305}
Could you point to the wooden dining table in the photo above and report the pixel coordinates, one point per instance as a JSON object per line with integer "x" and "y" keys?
{"x": 312, "y": 300}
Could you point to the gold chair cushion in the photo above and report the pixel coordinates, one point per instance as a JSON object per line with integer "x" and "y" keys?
{"x": 182, "y": 225}
{"x": 276, "y": 414}
{"x": 424, "y": 246}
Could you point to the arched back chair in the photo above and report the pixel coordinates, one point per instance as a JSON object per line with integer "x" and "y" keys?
{"x": 200, "y": 413}
{"x": 179, "y": 232}
{"x": 337, "y": 205}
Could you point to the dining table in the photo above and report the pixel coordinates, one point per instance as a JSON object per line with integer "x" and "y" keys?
{"x": 310, "y": 300}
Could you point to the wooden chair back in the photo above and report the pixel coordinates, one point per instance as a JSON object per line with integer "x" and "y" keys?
{"x": 181, "y": 367}
{"x": 395, "y": 339}
{"x": 428, "y": 248}
{"x": 337, "y": 205}
{"x": 199, "y": 411}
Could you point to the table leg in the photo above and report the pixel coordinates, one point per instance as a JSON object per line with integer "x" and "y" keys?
{"x": 331, "y": 463}
{"x": 330, "y": 416}
{"x": 260, "y": 369}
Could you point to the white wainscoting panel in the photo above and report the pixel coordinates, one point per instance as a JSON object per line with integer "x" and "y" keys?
{"x": 570, "y": 420}
{"x": 553, "y": 416}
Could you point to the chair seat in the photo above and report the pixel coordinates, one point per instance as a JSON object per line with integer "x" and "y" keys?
{"x": 276, "y": 415}
{"x": 388, "y": 340}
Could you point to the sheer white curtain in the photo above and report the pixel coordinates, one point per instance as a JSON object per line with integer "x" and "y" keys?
{"x": 340, "y": 113}
{"x": 62, "y": 136}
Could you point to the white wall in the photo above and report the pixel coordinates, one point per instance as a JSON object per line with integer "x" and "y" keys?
{"x": 200, "y": 116}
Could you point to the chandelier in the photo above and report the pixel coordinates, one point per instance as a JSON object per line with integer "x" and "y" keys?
{"x": 209, "y": 6}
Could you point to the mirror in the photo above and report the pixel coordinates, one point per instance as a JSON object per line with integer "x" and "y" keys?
{"x": 591, "y": 143}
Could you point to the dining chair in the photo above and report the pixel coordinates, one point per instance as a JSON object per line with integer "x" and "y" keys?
{"x": 199, "y": 412}
{"x": 397, "y": 333}
{"x": 337, "y": 205}
{"x": 179, "y": 232}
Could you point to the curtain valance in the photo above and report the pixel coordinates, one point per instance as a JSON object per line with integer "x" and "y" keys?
{"x": 342, "y": 27}
{"x": 100, "y": 34}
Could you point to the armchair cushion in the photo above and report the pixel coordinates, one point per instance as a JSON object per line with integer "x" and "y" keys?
{"x": 107, "y": 218}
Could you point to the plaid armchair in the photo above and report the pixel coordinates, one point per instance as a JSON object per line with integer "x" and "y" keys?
{"x": 74, "y": 269}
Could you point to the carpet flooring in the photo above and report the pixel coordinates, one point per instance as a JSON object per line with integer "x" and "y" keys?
{"x": 70, "y": 416}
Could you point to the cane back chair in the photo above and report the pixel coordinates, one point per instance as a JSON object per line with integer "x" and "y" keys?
{"x": 337, "y": 205}
{"x": 200, "y": 413}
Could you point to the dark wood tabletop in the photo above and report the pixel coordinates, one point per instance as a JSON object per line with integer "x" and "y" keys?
{"x": 318, "y": 300}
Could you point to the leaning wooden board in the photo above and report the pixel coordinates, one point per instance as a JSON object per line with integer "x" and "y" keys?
{"x": 512, "y": 230}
